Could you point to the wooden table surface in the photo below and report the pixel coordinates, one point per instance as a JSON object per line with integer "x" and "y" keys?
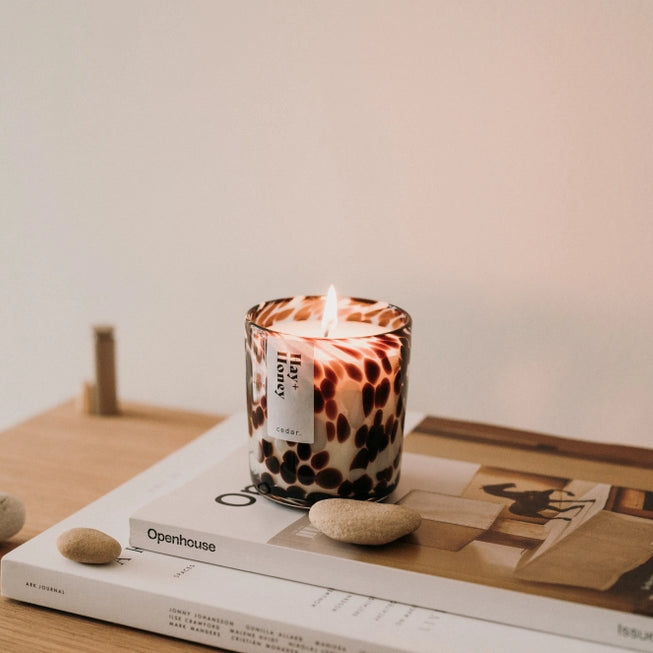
{"x": 57, "y": 463}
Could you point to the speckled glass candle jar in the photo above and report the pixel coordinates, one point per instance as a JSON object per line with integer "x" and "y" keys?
{"x": 326, "y": 414}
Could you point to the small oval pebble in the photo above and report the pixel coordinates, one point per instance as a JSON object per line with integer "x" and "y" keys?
{"x": 88, "y": 545}
{"x": 363, "y": 522}
{"x": 12, "y": 515}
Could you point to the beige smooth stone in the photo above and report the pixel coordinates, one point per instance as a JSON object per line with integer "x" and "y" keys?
{"x": 12, "y": 515}
{"x": 88, "y": 545}
{"x": 363, "y": 522}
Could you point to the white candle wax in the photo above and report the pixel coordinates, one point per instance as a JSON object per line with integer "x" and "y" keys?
{"x": 314, "y": 329}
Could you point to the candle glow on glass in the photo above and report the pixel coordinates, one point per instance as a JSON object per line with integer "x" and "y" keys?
{"x": 329, "y": 327}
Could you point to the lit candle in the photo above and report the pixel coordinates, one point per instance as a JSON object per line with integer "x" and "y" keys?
{"x": 329, "y": 326}
{"x": 326, "y": 392}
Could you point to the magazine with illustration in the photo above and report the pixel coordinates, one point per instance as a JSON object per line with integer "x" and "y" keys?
{"x": 517, "y": 528}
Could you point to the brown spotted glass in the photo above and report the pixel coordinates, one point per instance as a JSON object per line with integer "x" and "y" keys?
{"x": 326, "y": 413}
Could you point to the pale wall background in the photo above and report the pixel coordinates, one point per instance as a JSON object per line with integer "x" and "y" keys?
{"x": 487, "y": 165}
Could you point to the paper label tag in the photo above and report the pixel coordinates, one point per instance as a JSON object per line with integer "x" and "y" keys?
{"x": 290, "y": 400}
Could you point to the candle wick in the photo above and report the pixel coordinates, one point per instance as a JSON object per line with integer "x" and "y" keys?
{"x": 330, "y": 315}
{"x": 328, "y": 326}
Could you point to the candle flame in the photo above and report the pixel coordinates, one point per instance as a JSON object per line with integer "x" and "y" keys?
{"x": 330, "y": 316}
